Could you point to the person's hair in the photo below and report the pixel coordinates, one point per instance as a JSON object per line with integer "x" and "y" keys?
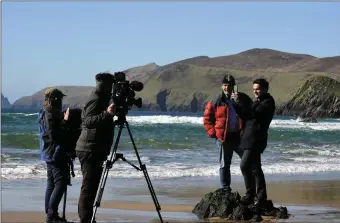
{"x": 262, "y": 82}
{"x": 104, "y": 77}
{"x": 52, "y": 104}
{"x": 47, "y": 104}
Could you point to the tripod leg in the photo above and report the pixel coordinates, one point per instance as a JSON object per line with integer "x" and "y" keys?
{"x": 105, "y": 174}
{"x": 146, "y": 175}
{"x": 64, "y": 207}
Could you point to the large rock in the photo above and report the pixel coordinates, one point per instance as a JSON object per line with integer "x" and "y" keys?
{"x": 4, "y": 102}
{"x": 218, "y": 205}
{"x": 318, "y": 97}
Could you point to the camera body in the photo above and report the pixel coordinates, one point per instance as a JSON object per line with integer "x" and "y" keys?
{"x": 123, "y": 94}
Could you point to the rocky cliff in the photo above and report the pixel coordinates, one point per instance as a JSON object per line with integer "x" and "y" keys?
{"x": 4, "y": 102}
{"x": 318, "y": 97}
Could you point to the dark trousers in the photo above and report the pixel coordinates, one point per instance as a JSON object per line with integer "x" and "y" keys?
{"x": 91, "y": 168}
{"x": 226, "y": 151}
{"x": 253, "y": 175}
{"x": 57, "y": 178}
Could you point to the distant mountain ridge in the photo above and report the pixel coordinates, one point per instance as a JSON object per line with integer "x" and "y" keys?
{"x": 252, "y": 59}
{"x": 186, "y": 85}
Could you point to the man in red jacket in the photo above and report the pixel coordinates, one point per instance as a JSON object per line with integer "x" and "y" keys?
{"x": 222, "y": 123}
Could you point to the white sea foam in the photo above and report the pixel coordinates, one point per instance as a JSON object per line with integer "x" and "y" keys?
{"x": 276, "y": 123}
{"x": 174, "y": 170}
{"x": 31, "y": 114}
{"x": 164, "y": 119}
{"x": 19, "y": 113}
{"x": 304, "y": 149}
{"x": 172, "y": 119}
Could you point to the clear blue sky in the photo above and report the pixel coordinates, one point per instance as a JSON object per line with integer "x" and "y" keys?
{"x": 50, "y": 43}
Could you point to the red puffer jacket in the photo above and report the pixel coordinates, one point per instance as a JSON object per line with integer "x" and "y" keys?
{"x": 216, "y": 120}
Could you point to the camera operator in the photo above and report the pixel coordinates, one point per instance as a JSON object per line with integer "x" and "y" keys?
{"x": 53, "y": 131}
{"x": 94, "y": 143}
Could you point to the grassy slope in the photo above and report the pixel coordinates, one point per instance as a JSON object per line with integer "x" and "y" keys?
{"x": 203, "y": 81}
{"x": 318, "y": 97}
{"x": 202, "y": 76}
{"x": 207, "y": 80}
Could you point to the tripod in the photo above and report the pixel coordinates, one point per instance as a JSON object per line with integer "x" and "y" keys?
{"x": 116, "y": 156}
{"x": 70, "y": 173}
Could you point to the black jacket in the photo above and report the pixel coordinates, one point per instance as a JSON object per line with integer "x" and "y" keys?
{"x": 53, "y": 136}
{"x": 258, "y": 119}
{"x": 97, "y": 124}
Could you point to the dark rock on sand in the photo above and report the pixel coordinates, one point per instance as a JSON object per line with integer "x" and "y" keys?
{"x": 219, "y": 204}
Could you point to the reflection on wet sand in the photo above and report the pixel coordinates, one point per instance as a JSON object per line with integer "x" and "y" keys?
{"x": 317, "y": 192}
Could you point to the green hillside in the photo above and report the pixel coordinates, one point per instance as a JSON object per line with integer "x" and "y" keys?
{"x": 318, "y": 97}
{"x": 189, "y": 83}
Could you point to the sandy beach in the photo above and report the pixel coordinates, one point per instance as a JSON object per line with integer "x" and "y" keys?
{"x": 306, "y": 200}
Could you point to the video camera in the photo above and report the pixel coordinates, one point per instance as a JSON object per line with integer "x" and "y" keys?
{"x": 123, "y": 94}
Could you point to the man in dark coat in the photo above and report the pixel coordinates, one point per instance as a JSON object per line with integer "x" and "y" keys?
{"x": 254, "y": 141}
{"x": 94, "y": 142}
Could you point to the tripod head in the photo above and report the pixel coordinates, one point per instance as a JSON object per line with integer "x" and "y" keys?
{"x": 121, "y": 120}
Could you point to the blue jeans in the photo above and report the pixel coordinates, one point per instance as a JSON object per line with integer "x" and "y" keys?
{"x": 57, "y": 178}
{"x": 226, "y": 151}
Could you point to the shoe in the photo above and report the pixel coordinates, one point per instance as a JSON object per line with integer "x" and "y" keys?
{"x": 247, "y": 200}
{"x": 226, "y": 191}
{"x": 60, "y": 219}
{"x": 259, "y": 202}
{"x": 87, "y": 221}
{"x": 256, "y": 218}
{"x": 56, "y": 219}
{"x": 259, "y": 206}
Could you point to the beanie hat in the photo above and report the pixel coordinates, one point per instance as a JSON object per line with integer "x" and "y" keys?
{"x": 54, "y": 93}
{"x": 229, "y": 79}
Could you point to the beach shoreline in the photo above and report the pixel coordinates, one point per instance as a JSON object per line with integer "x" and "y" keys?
{"x": 144, "y": 213}
{"x": 307, "y": 200}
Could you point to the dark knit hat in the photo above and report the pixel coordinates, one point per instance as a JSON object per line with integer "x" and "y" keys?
{"x": 229, "y": 79}
{"x": 105, "y": 78}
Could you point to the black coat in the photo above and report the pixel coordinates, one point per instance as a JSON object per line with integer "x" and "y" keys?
{"x": 258, "y": 119}
{"x": 97, "y": 124}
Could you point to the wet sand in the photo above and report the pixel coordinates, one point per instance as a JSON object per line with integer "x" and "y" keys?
{"x": 306, "y": 200}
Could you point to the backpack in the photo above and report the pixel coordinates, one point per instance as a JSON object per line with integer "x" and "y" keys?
{"x": 74, "y": 124}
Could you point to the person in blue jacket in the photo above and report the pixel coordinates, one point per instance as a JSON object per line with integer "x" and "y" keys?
{"x": 53, "y": 132}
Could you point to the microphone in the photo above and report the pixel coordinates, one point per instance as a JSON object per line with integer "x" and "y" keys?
{"x": 136, "y": 85}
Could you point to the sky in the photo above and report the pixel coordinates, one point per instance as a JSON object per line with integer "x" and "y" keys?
{"x": 67, "y": 43}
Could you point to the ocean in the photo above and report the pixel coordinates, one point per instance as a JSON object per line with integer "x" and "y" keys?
{"x": 175, "y": 145}
{"x": 301, "y": 166}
